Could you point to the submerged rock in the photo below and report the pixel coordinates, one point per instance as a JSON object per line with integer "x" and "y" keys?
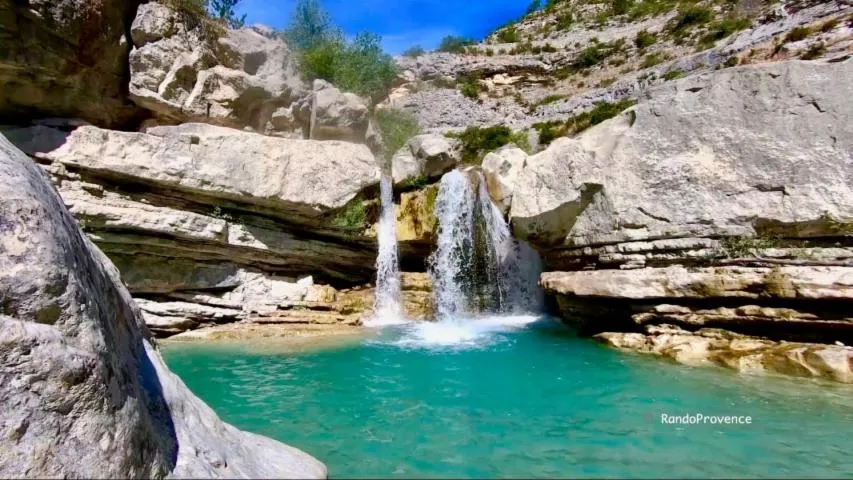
{"x": 738, "y": 352}
{"x": 85, "y": 392}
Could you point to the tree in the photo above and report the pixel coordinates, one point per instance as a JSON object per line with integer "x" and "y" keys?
{"x": 534, "y": 6}
{"x": 310, "y": 27}
{"x": 224, "y": 10}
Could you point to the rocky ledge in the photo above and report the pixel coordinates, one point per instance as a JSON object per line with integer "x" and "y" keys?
{"x": 719, "y": 201}
{"x": 85, "y": 392}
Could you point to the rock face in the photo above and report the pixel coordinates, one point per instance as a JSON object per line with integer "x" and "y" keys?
{"x": 212, "y": 225}
{"x": 719, "y": 201}
{"x": 84, "y": 390}
{"x": 425, "y": 157}
{"x": 501, "y": 169}
{"x": 65, "y": 58}
{"x": 694, "y": 160}
{"x": 200, "y": 71}
{"x": 337, "y": 115}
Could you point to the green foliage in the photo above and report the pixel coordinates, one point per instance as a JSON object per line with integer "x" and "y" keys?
{"x": 352, "y": 217}
{"x": 796, "y": 34}
{"x": 508, "y": 35}
{"x": 470, "y": 86}
{"x": 591, "y": 56}
{"x": 310, "y": 27}
{"x": 689, "y": 17}
{"x": 359, "y": 66}
{"x": 194, "y": 15}
{"x": 397, "y": 127}
{"x": 745, "y": 247}
{"x": 673, "y": 74}
{"x": 413, "y": 52}
{"x": 453, "y": 44}
{"x": 621, "y": 7}
{"x": 549, "y": 99}
{"x": 548, "y": 131}
{"x": 415, "y": 183}
{"x": 731, "y": 61}
{"x": 815, "y": 51}
{"x": 565, "y": 20}
{"x": 644, "y": 39}
{"x": 645, "y": 8}
{"x": 828, "y": 25}
{"x": 476, "y": 142}
{"x": 223, "y": 10}
{"x": 722, "y": 29}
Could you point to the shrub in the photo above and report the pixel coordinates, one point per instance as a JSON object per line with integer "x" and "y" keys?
{"x": 673, "y": 74}
{"x": 193, "y": 14}
{"x": 453, "y": 44}
{"x": 548, "y": 131}
{"x": 621, "y": 7}
{"x": 508, "y": 35}
{"x": 591, "y": 56}
{"x": 722, "y": 29}
{"x": 476, "y": 141}
{"x": 469, "y": 85}
{"x": 814, "y": 51}
{"x": 415, "y": 183}
{"x": 413, "y": 52}
{"x": 829, "y": 25}
{"x": 731, "y": 61}
{"x": 688, "y": 18}
{"x": 397, "y": 126}
{"x": 565, "y": 21}
{"x": 549, "y": 99}
{"x": 645, "y": 39}
{"x": 796, "y": 34}
{"x": 652, "y": 59}
{"x": 223, "y": 10}
{"x": 358, "y": 66}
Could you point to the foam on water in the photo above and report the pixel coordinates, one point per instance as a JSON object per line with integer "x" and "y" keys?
{"x": 459, "y": 332}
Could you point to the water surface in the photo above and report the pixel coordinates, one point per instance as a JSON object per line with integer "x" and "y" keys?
{"x": 505, "y": 398}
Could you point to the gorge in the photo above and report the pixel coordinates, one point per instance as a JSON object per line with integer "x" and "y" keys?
{"x": 510, "y": 261}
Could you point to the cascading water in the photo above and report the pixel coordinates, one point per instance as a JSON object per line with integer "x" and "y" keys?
{"x": 478, "y": 267}
{"x": 388, "y": 306}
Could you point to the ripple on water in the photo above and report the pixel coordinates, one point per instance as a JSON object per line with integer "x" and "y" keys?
{"x": 517, "y": 398}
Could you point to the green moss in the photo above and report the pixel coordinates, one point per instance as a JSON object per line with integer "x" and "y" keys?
{"x": 747, "y": 247}
{"x": 415, "y": 182}
{"x": 352, "y": 217}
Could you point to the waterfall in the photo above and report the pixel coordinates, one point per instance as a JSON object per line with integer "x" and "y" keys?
{"x": 388, "y": 308}
{"x": 454, "y": 210}
{"x": 478, "y": 267}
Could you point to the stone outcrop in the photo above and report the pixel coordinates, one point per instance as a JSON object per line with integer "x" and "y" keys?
{"x": 211, "y": 225}
{"x": 501, "y": 169}
{"x": 337, "y": 115}
{"x": 425, "y": 157}
{"x": 719, "y": 201}
{"x": 184, "y": 71}
{"x": 738, "y": 352}
{"x": 85, "y": 392}
{"x": 694, "y": 160}
{"x": 65, "y": 58}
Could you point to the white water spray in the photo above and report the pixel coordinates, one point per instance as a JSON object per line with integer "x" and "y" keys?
{"x": 388, "y": 308}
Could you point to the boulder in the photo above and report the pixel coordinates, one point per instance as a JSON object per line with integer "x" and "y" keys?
{"x": 85, "y": 392}
{"x": 501, "y": 169}
{"x": 764, "y": 149}
{"x": 301, "y": 179}
{"x": 337, "y": 115}
{"x": 184, "y": 70}
{"x": 65, "y": 58}
{"x": 427, "y": 156}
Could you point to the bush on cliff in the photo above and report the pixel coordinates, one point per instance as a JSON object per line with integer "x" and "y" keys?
{"x": 477, "y": 142}
{"x": 397, "y": 127}
{"x": 359, "y": 66}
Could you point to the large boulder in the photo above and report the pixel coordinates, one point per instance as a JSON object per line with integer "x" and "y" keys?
{"x": 764, "y": 149}
{"x": 425, "y": 157}
{"x": 301, "y": 179}
{"x": 85, "y": 392}
{"x": 501, "y": 169}
{"x": 337, "y": 115}
{"x": 186, "y": 70}
{"x": 65, "y": 58}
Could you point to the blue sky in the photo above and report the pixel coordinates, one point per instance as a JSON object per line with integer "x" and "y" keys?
{"x": 402, "y": 23}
